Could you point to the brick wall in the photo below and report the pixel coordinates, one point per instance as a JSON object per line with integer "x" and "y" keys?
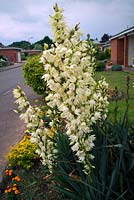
{"x": 126, "y": 51}
{"x": 114, "y": 51}
{"x": 11, "y": 54}
{"x": 119, "y": 51}
{"x": 33, "y": 52}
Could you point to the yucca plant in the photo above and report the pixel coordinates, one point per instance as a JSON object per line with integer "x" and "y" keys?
{"x": 114, "y": 161}
{"x": 113, "y": 175}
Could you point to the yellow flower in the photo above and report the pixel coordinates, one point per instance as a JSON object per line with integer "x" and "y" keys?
{"x": 51, "y": 132}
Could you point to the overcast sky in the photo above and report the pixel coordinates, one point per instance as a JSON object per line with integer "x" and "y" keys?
{"x": 29, "y": 19}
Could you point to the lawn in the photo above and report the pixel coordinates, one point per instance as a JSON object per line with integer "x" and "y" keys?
{"x": 119, "y": 80}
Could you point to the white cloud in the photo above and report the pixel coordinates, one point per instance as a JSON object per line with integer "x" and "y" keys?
{"x": 25, "y": 18}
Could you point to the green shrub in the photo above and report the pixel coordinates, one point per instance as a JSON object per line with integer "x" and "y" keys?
{"x": 116, "y": 68}
{"x": 3, "y": 61}
{"x": 100, "y": 66}
{"x": 107, "y": 53}
{"x": 23, "y": 154}
{"x": 33, "y": 71}
{"x": 23, "y": 56}
{"x": 100, "y": 55}
{"x": 3, "y": 57}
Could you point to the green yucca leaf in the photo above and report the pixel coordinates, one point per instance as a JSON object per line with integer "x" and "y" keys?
{"x": 113, "y": 179}
{"x": 121, "y": 196}
{"x": 67, "y": 192}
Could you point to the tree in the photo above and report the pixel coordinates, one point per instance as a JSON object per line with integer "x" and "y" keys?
{"x": 21, "y": 44}
{"x": 38, "y": 46}
{"x": 46, "y": 40}
{"x": 105, "y": 38}
{"x": 1, "y": 45}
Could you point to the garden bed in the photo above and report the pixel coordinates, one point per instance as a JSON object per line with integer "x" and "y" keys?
{"x": 34, "y": 184}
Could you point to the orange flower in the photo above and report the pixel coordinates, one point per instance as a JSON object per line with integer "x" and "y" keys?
{"x": 9, "y": 190}
{"x": 16, "y": 192}
{"x": 17, "y": 178}
{"x": 14, "y": 188}
{"x": 27, "y": 136}
{"x": 7, "y": 172}
{"x": 10, "y": 172}
{"x": 14, "y": 185}
{"x": 13, "y": 179}
{"x": 6, "y": 191}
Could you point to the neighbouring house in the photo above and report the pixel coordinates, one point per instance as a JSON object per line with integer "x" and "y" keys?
{"x": 13, "y": 54}
{"x": 102, "y": 45}
{"x": 1, "y": 45}
{"x": 32, "y": 52}
{"x": 122, "y": 48}
{"x": 105, "y": 45}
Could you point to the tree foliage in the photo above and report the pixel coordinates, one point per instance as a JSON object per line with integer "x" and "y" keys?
{"x": 45, "y": 40}
{"x": 1, "y": 45}
{"x": 21, "y": 44}
{"x": 38, "y": 46}
{"x": 105, "y": 38}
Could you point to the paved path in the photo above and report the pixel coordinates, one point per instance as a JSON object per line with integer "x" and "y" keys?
{"x": 11, "y": 127}
{"x": 16, "y": 65}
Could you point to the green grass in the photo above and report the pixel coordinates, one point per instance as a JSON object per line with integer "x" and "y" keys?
{"x": 118, "y": 79}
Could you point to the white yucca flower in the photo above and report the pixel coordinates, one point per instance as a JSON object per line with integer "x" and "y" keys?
{"x": 79, "y": 98}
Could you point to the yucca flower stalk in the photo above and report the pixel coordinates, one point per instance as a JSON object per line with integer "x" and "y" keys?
{"x": 81, "y": 101}
{"x": 41, "y": 135}
{"x": 74, "y": 96}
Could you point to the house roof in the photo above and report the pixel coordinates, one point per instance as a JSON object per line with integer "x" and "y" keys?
{"x": 31, "y": 50}
{"x": 125, "y": 32}
{"x": 11, "y": 48}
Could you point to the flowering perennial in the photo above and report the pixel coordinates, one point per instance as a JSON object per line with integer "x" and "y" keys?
{"x": 78, "y": 99}
{"x": 40, "y": 135}
{"x": 82, "y": 101}
{"x": 13, "y": 188}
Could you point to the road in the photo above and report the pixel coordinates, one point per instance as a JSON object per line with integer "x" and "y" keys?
{"x": 11, "y": 127}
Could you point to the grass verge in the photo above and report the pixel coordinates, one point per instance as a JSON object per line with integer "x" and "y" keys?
{"x": 119, "y": 80}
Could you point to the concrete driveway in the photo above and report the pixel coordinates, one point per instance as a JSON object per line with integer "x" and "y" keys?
{"x": 11, "y": 127}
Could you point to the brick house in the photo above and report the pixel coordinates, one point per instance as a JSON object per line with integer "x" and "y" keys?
{"x": 122, "y": 48}
{"x": 32, "y": 52}
{"x": 13, "y": 54}
{"x": 105, "y": 45}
